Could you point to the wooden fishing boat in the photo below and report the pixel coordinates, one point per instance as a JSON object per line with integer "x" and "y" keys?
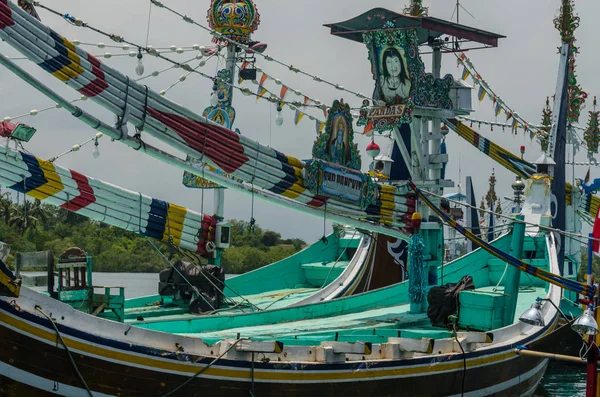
{"x": 377, "y": 343}
{"x": 366, "y": 344}
{"x": 414, "y": 337}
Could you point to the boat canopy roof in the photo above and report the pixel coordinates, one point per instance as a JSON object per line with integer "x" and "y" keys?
{"x": 427, "y": 27}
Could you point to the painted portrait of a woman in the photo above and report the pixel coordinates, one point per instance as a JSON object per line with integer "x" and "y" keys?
{"x": 394, "y": 81}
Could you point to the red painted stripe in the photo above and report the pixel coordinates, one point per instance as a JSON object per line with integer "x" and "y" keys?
{"x": 209, "y": 224}
{"x": 476, "y": 140}
{"x": 97, "y": 86}
{"x": 85, "y": 198}
{"x": 194, "y": 133}
{"x": 5, "y": 15}
{"x": 317, "y": 201}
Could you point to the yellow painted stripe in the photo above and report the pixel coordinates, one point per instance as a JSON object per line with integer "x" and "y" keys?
{"x": 294, "y": 161}
{"x": 54, "y": 184}
{"x": 174, "y": 224}
{"x": 8, "y": 283}
{"x": 73, "y": 69}
{"x": 157, "y": 364}
{"x": 294, "y": 191}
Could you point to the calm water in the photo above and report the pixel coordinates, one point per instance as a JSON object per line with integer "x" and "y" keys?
{"x": 560, "y": 380}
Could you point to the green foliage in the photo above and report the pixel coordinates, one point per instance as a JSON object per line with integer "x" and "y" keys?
{"x": 583, "y": 269}
{"x": 39, "y": 227}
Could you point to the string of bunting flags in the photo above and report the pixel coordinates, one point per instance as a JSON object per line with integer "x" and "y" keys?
{"x": 491, "y": 123}
{"x": 223, "y": 38}
{"x": 306, "y": 101}
{"x": 35, "y": 112}
{"x": 292, "y": 105}
{"x": 499, "y": 105}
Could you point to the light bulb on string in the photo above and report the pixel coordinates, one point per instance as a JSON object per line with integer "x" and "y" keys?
{"x": 279, "y": 117}
{"x": 139, "y": 69}
{"x": 96, "y": 152}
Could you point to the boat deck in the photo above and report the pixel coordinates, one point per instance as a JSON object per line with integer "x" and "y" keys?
{"x": 374, "y": 325}
{"x": 263, "y": 301}
{"x": 275, "y": 299}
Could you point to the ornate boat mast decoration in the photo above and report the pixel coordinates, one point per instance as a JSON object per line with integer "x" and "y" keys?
{"x": 416, "y": 9}
{"x": 236, "y": 20}
{"x": 566, "y": 23}
{"x": 490, "y": 197}
{"x": 546, "y": 125}
{"x": 400, "y": 79}
{"x": 592, "y": 133}
{"x": 334, "y": 170}
{"x": 221, "y": 112}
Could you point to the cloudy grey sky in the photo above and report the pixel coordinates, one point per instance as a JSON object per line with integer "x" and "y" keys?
{"x": 522, "y": 70}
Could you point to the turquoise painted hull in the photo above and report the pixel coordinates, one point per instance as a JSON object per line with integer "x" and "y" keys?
{"x": 367, "y": 344}
{"x": 280, "y": 284}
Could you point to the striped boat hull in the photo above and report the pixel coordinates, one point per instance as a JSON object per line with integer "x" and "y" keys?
{"x": 33, "y": 363}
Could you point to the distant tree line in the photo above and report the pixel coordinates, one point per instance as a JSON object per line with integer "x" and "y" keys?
{"x": 35, "y": 226}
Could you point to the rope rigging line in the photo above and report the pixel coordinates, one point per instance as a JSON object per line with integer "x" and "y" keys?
{"x": 550, "y": 229}
{"x": 35, "y": 112}
{"x": 152, "y": 51}
{"x": 562, "y": 282}
{"x": 203, "y": 369}
{"x": 266, "y": 57}
{"x": 189, "y": 255}
{"x": 271, "y": 174}
{"x": 500, "y": 105}
{"x": 194, "y": 288}
{"x": 62, "y": 341}
{"x": 106, "y": 55}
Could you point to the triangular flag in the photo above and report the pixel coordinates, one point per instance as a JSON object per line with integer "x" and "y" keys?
{"x": 263, "y": 78}
{"x": 298, "y": 116}
{"x": 244, "y": 65}
{"x": 515, "y": 124}
{"x": 465, "y": 73}
{"x": 284, "y": 90}
{"x": 508, "y": 115}
{"x": 368, "y": 127}
{"x": 305, "y": 100}
{"x": 498, "y": 108}
{"x": 596, "y": 234}
{"x": 463, "y": 56}
{"x": 319, "y": 126}
{"x": 325, "y": 113}
{"x": 261, "y": 91}
{"x": 481, "y": 94}
{"x": 587, "y": 177}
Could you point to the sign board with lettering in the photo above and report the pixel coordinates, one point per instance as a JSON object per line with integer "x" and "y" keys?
{"x": 334, "y": 170}
{"x": 400, "y": 79}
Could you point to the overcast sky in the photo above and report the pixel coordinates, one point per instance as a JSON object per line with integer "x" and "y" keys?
{"x": 522, "y": 70}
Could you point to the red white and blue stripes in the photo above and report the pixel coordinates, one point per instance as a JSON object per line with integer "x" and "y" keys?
{"x": 243, "y": 158}
{"x": 105, "y": 202}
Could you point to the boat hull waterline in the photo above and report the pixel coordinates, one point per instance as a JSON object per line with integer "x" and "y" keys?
{"x": 112, "y": 368}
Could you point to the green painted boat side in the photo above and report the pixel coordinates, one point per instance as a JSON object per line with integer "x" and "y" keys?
{"x": 474, "y": 264}
{"x": 285, "y": 274}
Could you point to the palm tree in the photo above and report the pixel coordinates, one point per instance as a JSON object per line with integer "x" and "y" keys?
{"x": 5, "y": 206}
{"x": 30, "y": 214}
